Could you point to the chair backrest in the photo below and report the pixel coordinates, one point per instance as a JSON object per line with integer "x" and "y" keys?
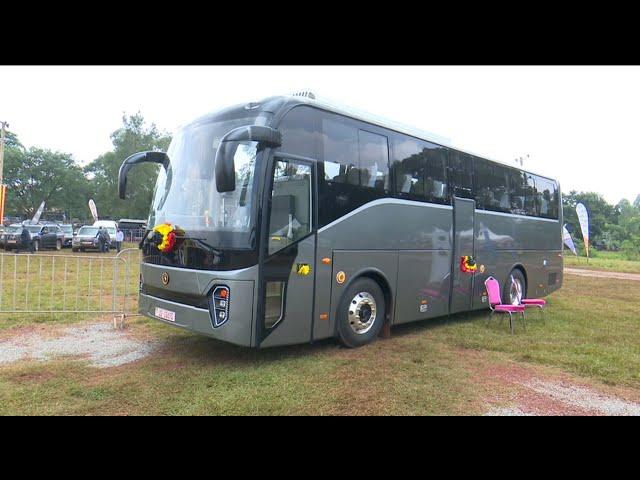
{"x": 493, "y": 290}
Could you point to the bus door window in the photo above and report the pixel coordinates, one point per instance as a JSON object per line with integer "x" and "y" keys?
{"x": 290, "y": 217}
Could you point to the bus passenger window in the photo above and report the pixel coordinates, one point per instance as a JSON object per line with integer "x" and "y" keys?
{"x": 546, "y": 197}
{"x": 290, "y": 216}
{"x": 373, "y": 160}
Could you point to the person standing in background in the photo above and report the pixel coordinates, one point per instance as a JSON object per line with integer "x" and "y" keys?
{"x": 119, "y": 239}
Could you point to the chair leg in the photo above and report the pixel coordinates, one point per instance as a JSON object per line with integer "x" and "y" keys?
{"x": 511, "y": 322}
{"x": 524, "y": 323}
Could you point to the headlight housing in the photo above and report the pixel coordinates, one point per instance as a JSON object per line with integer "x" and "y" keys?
{"x": 219, "y": 305}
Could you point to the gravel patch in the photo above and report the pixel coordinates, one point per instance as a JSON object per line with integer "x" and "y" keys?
{"x": 507, "y": 412}
{"x": 584, "y": 398}
{"x": 100, "y": 343}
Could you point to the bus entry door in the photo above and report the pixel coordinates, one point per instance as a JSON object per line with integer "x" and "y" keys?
{"x": 289, "y": 269}
{"x": 463, "y": 246}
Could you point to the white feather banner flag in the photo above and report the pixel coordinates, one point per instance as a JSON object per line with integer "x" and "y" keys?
{"x": 568, "y": 241}
{"x": 583, "y": 217}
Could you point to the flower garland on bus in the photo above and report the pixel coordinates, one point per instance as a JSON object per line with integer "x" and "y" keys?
{"x": 165, "y": 237}
{"x": 468, "y": 264}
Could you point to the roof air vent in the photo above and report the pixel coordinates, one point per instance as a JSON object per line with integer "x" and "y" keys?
{"x": 305, "y": 94}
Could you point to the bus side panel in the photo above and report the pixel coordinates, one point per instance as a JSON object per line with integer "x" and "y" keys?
{"x": 353, "y": 264}
{"x": 505, "y": 241}
{"x": 324, "y": 279}
{"x": 423, "y": 285}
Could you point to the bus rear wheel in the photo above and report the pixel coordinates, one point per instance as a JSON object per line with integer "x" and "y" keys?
{"x": 361, "y": 313}
{"x": 515, "y": 288}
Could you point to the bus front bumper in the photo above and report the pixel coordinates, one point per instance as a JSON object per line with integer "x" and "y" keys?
{"x": 237, "y": 328}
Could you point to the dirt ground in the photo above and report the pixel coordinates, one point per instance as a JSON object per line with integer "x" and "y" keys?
{"x": 602, "y": 274}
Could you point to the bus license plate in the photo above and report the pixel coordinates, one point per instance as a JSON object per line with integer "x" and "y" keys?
{"x": 166, "y": 314}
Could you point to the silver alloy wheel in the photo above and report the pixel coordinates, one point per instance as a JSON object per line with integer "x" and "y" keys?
{"x": 362, "y": 313}
{"x": 515, "y": 291}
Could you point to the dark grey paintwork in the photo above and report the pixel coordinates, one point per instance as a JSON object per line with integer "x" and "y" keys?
{"x": 462, "y": 283}
{"x": 411, "y": 248}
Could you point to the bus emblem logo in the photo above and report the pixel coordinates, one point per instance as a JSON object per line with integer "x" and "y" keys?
{"x": 165, "y": 278}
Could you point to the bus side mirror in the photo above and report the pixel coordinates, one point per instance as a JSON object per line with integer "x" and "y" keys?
{"x": 225, "y": 169}
{"x": 135, "y": 159}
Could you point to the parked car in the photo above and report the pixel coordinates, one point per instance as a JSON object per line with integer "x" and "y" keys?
{"x": 42, "y": 236}
{"x": 10, "y": 230}
{"x": 87, "y": 239}
{"x": 68, "y": 235}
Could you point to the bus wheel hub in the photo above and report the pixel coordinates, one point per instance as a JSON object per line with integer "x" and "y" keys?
{"x": 362, "y": 313}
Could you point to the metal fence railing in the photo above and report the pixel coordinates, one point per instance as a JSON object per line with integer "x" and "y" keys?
{"x": 133, "y": 236}
{"x": 47, "y": 283}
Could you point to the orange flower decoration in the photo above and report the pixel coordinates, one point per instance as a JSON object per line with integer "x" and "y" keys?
{"x": 468, "y": 264}
{"x": 168, "y": 234}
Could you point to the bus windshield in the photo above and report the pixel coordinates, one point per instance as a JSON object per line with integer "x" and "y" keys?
{"x": 186, "y": 193}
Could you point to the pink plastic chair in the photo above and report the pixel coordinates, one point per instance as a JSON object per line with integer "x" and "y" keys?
{"x": 496, "y": 305}
{"x": 533, "y": 302}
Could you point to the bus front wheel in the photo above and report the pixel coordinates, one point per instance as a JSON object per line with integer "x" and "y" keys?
{"x": 361, "y": 313}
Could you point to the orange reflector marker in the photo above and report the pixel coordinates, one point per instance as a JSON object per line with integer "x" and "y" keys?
{"x": 324, "y": 316}
{"x": 224, "y": 293}
{"x": 341, "y": 277}
{"x": 326, "y": 260}
{"x": 423, "y": 302}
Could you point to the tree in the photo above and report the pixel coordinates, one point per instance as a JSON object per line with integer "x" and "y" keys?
{"x": 35, "y": 175}
{"x": 601, "y": 213}
{"x": 134, "y": 136}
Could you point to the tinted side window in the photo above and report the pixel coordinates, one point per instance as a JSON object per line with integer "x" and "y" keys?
{"x": 491, "y": 186}
{"x": 373, "y": 160}
{"x": 518, "y": 192}
{"x": 300, "y": 132}
{"x": 546, "y": 197}
{"x": 340, "y": 147}
{"x": 461, "y": 174}
{"x": 530, "y": 205}
{"x": 419, "y": 171}
{"x": 354, "y": 169}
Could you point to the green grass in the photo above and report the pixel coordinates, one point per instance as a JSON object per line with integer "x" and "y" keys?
{"x": 424, "y": 368}
{"x": 608, "y": 261}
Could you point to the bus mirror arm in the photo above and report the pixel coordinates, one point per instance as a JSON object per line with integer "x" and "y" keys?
{"x": 136, "y": 159}
{"x": 225, "y": 170}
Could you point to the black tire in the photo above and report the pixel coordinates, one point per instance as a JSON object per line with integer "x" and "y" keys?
{"x": 506, "y": 289}
{"x": 346, "y": 332}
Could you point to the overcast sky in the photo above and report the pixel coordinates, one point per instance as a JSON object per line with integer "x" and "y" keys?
{"x": 580, "y": 125}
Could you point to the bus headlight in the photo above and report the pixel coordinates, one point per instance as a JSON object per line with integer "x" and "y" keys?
{"x": 219, "y": 305}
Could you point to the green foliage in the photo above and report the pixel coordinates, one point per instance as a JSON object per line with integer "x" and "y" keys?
{"x": 600, "y": 213}
{"x": 631, "y": 248}
{"x": 614, "y": 227}
{"x": 134, "y": 136}
{"x": 34, "y": 175}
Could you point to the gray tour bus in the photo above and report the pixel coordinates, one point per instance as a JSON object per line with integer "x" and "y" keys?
{"x": 297, "y": 220}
